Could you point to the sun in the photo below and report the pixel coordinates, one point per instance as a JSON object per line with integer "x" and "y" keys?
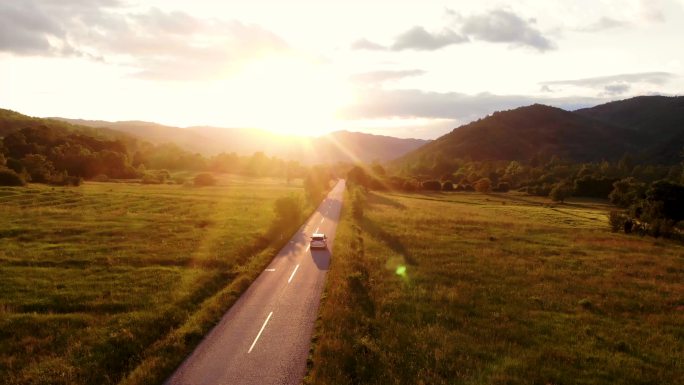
{"x": 286, "y": 96}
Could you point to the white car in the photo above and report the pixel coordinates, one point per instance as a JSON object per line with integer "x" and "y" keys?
{"x": 319, "y": 241}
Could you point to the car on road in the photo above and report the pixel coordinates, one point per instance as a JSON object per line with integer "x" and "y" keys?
{"x": 319, "y": 241}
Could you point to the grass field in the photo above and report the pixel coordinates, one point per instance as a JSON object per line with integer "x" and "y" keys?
{"x": 106, "y": 278}
{"x": 467, "y": 288}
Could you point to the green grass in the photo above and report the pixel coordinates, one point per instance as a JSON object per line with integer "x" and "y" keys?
{"x": 99, "y": 281}
{"x": 497, "y": 289}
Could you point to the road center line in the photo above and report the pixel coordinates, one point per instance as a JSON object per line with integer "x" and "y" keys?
{"x": 293, "y": 273}
{"x": 260, "y": 331}
{"x": 322, "y": 219}
{"x": 315, "y": 231}
{"x": 270, "y": 269}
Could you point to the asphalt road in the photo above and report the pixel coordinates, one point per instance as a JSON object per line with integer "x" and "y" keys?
{"x": 265, "y": 336}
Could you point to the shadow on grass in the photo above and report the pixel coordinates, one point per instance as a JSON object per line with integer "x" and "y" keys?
{"x": 376, "y": 199}
{"x": 393, "y": 242}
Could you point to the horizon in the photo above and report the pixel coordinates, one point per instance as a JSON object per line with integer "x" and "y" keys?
{"x": 428, "y": 68}
{"x": 323, "y": 133}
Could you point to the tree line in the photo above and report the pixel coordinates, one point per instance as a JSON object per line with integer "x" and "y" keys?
{"x": 52, "y": 154}
{"x": 650, "y": 196}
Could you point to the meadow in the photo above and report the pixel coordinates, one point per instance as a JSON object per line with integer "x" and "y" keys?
{"x": 116, "y": 282}
{"x": 467, "y": 288}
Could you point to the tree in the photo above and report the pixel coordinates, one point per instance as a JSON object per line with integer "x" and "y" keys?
{"x": 288, "y": 209}
{"x": 448, "y": 186}
{"x": 627, "y": 192}
{"x": 38, "y": 167}
{"x": 3, "y": 160}
{"x": 9, "y": 177}
{"x": 560, "y": 192}
{"x": 204, "y": 179}
{"x": 483, "y": 185}
{"x": 358, "y": 176}
{"x": 432, "y": 185}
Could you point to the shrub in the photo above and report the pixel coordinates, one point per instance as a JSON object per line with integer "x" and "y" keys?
{"x": 288, "y": 209}
{"x": 410, "y": 185}
{"x": 468, "y": 187}
{"x": 150, "y": 179}
{"x": 9, "y": 177}
{"x": 64, "y": 179}
{"x": 101, "y": 178}
{"x": 559, "y": 192}
{"x": 617, "y": 220}
{"x": 358, "y": 203}
{"x": 432, "y": 185}
{"x": 483, "y": 185}
{"x": 204, "y": 179}
{"x": 448, "y": 186}
{"x": 502, "y": 187}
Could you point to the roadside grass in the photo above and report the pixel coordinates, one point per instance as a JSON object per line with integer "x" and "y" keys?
{"x": 94, "y": 279}
{"x": 468, "y": 288}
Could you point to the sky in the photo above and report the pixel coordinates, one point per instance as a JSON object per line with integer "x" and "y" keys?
{"x": 400, "y": 68}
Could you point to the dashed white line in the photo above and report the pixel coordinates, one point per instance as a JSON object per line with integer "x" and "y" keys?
{"x": 315, "y": 231}
{"x": 270, "y": 269}
{"x": 293, "y": 273}
{"x": 322, "y": 219}
{"x": 260, "y": 331}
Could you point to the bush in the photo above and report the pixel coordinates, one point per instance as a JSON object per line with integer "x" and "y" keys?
{"x": 559, "y": 192}
{"x": 288, "y": 209}
{"x": 617, "y": 220}
{"x": 358, "y": 203}
{"x": 65, "y": 180}
{"x": 410, "y": 185}
{"x": 468, "y": 187}
{"x": 448, "y": 186}
{"x": 502, "y": 187}
{"x": 204, "y": 179}
{"x": 101, "y": 178}
{"x": 432, "y": 185}
{"x": 9, "y": 177}
{"x": 483, "y": 185}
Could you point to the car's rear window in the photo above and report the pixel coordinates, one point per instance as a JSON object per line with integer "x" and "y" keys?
{"x": 317, "y": 238}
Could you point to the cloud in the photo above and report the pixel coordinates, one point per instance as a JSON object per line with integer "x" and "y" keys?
{"x": 376, "y": 77}
{"x": 616, "y": 89}
{"x": 382, "y": 103}
{"x": 368, "y": 45}
{"x": 604, "y": 23}
{"x": 155, "y": 44}
{"x": 657, "y": 78}
{"x": 417, "y": 38}
{"x": 499, "y": 26}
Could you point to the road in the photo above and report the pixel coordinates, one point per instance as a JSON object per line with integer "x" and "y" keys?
{"x": 265, "y": 336}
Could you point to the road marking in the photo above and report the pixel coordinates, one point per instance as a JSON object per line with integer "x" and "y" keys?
{"x": 293, "y": 273}
{"x": 322, "y": 219}
{"x": 270, "y": 269}
{"x": 260, "y": 331}
{"x": 315, "y": 231}
{"x": 307, "y": 247}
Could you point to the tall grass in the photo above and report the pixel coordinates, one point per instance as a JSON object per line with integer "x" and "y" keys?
{"x": 102, "y": 279}
{"x": 497, "y": 289}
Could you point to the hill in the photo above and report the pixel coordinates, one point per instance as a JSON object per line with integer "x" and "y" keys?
{"x": 334, "y": 147}
{"x": 524, "y": 132}
{"x": 659, "y": 118}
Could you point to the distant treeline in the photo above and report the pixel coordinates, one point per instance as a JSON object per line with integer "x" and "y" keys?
{"x": 56, "y": 154}
{"x": 652, "y": 196}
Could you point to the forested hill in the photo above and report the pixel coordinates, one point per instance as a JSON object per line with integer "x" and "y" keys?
{"x": 659, "y": 118}
{"x": 525, "y": 132}
{"x": 339, "y": 146}
{"x": 650, "y": 129}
